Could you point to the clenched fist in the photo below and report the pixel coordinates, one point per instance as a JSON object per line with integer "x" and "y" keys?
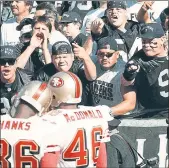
{"x": 79, "y": 51}
{"x": 147, "y": 5}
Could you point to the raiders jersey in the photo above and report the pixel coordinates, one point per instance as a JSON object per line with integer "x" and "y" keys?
{"x": 105, "y": 90}
{"x": 78, "y": 134}
{"x": 152, "y": 82}
{"x": 81, "y": 7}
{"x": 24, "y": 141}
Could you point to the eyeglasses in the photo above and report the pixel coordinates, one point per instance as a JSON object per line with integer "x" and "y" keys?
{"x": 108, "y": 55}
{"x": 7, "y": 61}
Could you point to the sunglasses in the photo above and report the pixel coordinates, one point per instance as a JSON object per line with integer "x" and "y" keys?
{"x": 5, "y": 61}
{"x": 108, "y": 55}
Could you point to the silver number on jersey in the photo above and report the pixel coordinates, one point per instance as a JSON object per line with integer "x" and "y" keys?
{"x": 163, "y": 83}
{"x": 81, "y": 5}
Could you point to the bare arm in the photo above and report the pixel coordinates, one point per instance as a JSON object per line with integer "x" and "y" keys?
{"x": 89, "y": 69}
{"x": 47, "y": 56}
{"x": 45, "y": 50}
{"x": 143, "y": 15}
{"x": 88, "y": 45}
{"x": 50, "y": 160}
{"x": 89, "y": 66}
{"x": 128, "y": 103}
{"x": 23, "y": 58}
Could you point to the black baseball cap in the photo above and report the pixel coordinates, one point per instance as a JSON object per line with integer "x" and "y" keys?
{"x": 117, "y": 4}
{"x": 152, "y": 30}
{"x": 107, "y": 43}
{"x": 61, "y": 47}
{"x": 69, "y": 17}
{"x": 24, "y": 22}
{"x": 8, "y": 52}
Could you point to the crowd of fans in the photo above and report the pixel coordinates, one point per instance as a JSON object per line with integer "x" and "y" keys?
{"x": 96, "y": 48}
{"x": 121, "y": 63}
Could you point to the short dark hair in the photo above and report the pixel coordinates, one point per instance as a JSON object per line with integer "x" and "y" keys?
{"x": 29, "y": 3}
{"x": 49, "y": 10}
{"x": 46, "y": 6}
{"x": 54, "y": 15}
{"x": 43, "y": 19}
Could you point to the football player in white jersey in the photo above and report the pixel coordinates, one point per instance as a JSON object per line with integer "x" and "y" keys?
{"x": 79, "y": 130}
{"x": 23, "y": 138}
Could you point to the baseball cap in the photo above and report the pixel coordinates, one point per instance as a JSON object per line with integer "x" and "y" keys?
{"x": 152, "y": 30}
{"x": 107, "y": 43}
{"x": 8, "y": 52}
{"x": 61, "y": 47}
{"x": 25, "y": 21}
{"x": 69, "y": 17}
{"x": 116, "y": 4}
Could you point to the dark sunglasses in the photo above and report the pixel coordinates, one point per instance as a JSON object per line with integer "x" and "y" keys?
{"x": 108, "y": 55}
{"x": 5, "y": 61}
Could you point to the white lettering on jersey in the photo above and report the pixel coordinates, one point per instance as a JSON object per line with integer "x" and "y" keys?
{"x": 137, "y": 45}
{"x": 24, "y": 141}
{"x": 163, "y": 83}
{"x": 81, "y": 5}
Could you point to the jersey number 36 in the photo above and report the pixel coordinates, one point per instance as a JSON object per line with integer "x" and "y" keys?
{"x": 19, "y": 156}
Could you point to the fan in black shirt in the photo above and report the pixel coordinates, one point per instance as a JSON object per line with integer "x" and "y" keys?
{"x": 63, "y": 60}
{"x": 71, "y": 25}
{"x": 148, "y": 71}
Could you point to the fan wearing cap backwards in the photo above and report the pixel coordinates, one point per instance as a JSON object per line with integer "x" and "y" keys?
{"x": 117, "y": 25}
{"x": 12, "y": 78}
{"x": 148, "y": 72}
{"x": 71, "y": 25}
{"x": 106, "y": 89}
{"x": 63, "y": 60}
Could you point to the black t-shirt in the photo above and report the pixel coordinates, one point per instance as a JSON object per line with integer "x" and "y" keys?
{"x": 80, "y": 39}
{"x": 81, "y": 7}
{"x": 152, "y": 82}
{"x": 7, "y": 91}
{"x": 128, "y": 41}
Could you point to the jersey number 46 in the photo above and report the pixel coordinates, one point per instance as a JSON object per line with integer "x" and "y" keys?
{"x": 77, "y": 150}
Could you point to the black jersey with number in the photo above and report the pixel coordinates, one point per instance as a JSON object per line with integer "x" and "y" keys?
{"x": 152, "y": 81}
{"x": 81, "y": 7}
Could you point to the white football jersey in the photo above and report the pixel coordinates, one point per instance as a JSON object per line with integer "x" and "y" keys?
{"x": 24, "y": 141}
{"x": 78, "y": 134}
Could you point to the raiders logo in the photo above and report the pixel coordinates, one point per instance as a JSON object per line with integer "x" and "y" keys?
{"x": 107, "y": 46}
{"x": 57, "y": 82}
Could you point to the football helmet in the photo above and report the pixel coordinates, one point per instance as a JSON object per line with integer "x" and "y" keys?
{"x": 35, "y": 93}
{"x": 66, "y": 88}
